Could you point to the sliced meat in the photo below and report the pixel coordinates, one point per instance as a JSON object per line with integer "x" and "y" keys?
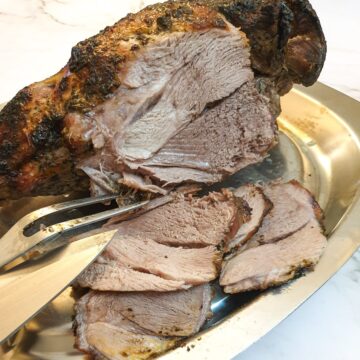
{"x": 242, "y": 121}
{"x": 129, "y": 198}
{"x": 133, "y": 325}
{"x": 180, "y": 313}
{"x": 274, "y": 264}
{"x": 259, "y": 206}
{"x": 112, "y": 276}
{"x": 103, "y": 332}
{"x": 137, "y": 182}
{"x": 194, "y": 266}
{"x": 150, "y": 79}
{"x": 187, "y": 221}
{"x": 116, "y": 342}
{"x": 155, "y": 100}
{"x": 152, "y": 204}
{"x": 177, "y": 243}
{"x": 293, "y": 207}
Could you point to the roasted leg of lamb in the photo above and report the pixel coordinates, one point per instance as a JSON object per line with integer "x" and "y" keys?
{"x": 181, "y": 92}
{"x": 185, "y": 91}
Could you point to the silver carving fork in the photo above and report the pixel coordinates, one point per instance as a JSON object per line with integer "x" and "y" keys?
{"x": 27, "y": 286}
{"x": 15, "y": 243}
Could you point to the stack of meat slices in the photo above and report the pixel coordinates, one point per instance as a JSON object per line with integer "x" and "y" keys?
{"x": 283, "y": 237}
{"x": 137, "y": 325}
{"x": 150, "y": 287}
{"x": 171, "y": 247}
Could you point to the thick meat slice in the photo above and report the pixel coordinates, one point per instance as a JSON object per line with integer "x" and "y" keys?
{"x": 242, "y": 121}
{"x": 194, "y": 266}
{"x": 293, "y": 207}
{"x": 155, "y": 103}
{"x": 113, "y": 276}
{"x": 180, "y": 313}
{"x": 126, "y": 92}
{"x": 172, "y": 246}
{"x": 259, "y": 206}
{"x": 187, "y": 221}
{"x": 102, "y": 331}
{"x": 273, "y": 264}
{"x": 133, "y": 325}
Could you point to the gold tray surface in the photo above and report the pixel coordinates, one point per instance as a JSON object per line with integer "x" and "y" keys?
{"x": 320, "y": 147}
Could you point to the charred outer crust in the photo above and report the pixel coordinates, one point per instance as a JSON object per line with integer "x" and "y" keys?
{"x": 287, "y": 45}
{"x": 294, "y": 273}
{"x": 285, "y": 36}
{"x": 268, "y": 206}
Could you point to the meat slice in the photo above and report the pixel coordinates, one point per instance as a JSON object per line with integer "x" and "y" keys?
{"x": 194, "y": 266}
{"x": 155, "y": 108}
{"x": 113, "y": 276}
{"x": 180, "y": 313}
{"x": 242, "y": 121}
{"x": 293, "y": 207}
{"x": 187, "y": 221}
{"x": 148, "y": 81}
{"x": 103, "y": 332}
{"x": 174, "y": 245}
{"x": 259, "y": 206}
{"x": 138, "y": 325}
{"x": 274, "y": 264}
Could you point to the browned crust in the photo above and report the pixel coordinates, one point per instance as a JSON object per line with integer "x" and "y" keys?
{"x": 285, "y": 36}
{"x": 247, "y": 211}
{"x": 268, "y": 206}
{"x": 32, "y": 126}
{"x": 318, "y": 212}
{"x": 294, "y": 273}
{"x": 37, "y": 153}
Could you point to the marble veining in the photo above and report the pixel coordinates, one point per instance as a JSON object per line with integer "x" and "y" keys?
{"x": 36, "y": 39}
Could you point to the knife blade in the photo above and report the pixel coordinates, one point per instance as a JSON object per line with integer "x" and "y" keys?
{"x": 27, "y": 289}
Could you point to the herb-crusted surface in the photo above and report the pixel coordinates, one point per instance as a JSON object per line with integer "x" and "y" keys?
{"x": 36, "y": 145}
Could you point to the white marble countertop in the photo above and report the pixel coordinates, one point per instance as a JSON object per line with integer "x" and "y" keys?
{"x": 36, "y": 38}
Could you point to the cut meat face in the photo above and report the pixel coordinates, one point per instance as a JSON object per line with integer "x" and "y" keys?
{"x": 187, "y": 221}
{"x": 242, "y": 121}
{"x": 289, "y": 239}
{"x": 104, "y": 332}
{"x": 173, "y": 246}
{"x": 113, "y": 276}
{"x": 154, "y": 125}
{"x": 153, "y": 278}
{"x": 180, "y": 313}
{"x": 116, "y": 342}
{"x": 274, "y": 264}
{"x": 175, "y": 80}
{"x": 293, "y": 207}
{"x": 157, "y": 98}
{"x": 133, "y": 325}
{"x": 259, "y": 206}
{"x": 194, "y": 266}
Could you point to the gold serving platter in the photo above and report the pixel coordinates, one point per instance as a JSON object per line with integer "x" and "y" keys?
{"x": 320, "y": 147}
